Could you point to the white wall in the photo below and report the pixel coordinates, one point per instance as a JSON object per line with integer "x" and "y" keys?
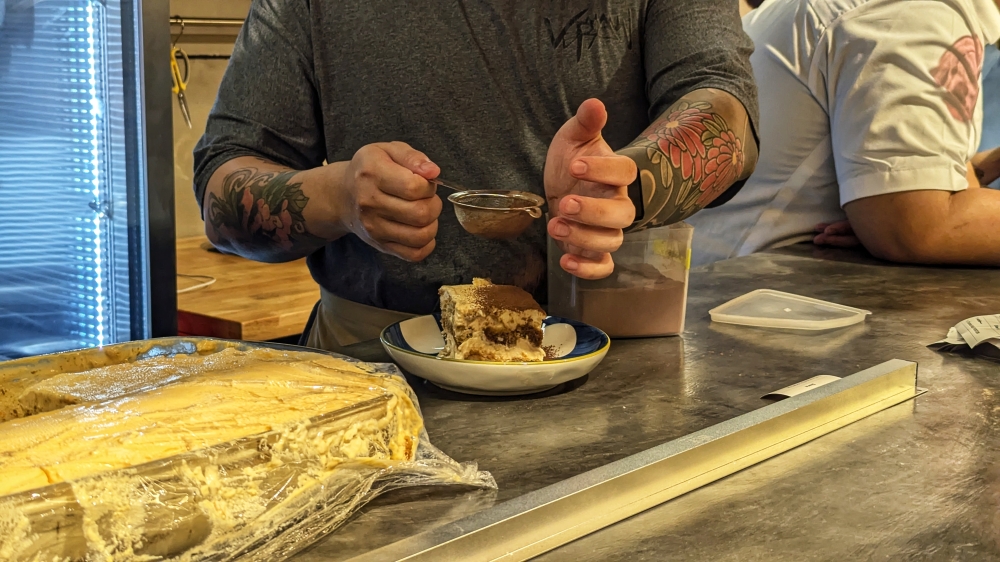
{"x": 203, "y": 84}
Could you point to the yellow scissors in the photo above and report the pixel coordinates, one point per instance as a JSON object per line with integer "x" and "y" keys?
{"x": 180, "y": 81}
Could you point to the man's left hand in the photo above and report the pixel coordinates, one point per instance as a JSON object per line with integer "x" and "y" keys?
{"x": 987, "y": 166}
{"x": 586, "y": 185}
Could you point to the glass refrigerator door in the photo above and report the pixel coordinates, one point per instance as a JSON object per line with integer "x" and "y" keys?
{"x": 73, "y": 236}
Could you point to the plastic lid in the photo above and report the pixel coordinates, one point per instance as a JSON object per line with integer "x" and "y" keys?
{"x": 774, "y": 309}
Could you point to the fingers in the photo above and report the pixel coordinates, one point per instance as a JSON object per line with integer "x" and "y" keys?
{"x": 834, "y": 228}
{"x": 845, "y": 241}
{"x": 406, "y": 229}
{"x": 986, "y": 166}
{"x": 413, "y": 213}
{"x": 407, "y": 253}
{"x": 615, "y": 170}
{"x": 385, "y": 231}
{"x": 588, "y": 244}
{"x": 590, "y": 229}
{"x": 587, "y": 267}
{"x": 404, "y": 185}
{"x": 838, "y": 234}
{"x": 395, "y": 208}
{"x": 839, "y": 228}
{"x": 616, "y": 212}
{"x": 411, "y": 159}
{"x": 403, "y": 241}
{"x": 586, "y": 125}
{"x": 585, "y": 237}
{"x": 376, "y": 164}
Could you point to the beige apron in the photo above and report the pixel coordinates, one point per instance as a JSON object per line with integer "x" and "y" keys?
{"x": 340, "y": 323}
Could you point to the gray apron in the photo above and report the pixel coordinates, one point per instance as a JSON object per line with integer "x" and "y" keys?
{"x": 338, "y": 323}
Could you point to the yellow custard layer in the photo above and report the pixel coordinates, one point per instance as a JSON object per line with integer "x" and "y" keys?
{"x": 251, "y": 395}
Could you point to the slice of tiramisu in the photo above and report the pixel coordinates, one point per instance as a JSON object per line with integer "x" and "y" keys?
{"x": 487, "y": 322}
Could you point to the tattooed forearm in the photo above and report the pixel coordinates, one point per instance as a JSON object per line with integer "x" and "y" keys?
{"x": 691, "y": 155}
{"x": 259, "y": 213}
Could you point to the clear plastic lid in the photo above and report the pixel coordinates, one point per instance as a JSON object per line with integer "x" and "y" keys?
{"x": 774, "y": 309}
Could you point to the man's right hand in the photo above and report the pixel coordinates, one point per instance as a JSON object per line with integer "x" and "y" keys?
{"x": 268, "y": 212}
{"x": 386, "y": 200}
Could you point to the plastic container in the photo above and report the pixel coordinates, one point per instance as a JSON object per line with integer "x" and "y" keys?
{"x": 765, "y": 308}
{"x": 645, "y": 296}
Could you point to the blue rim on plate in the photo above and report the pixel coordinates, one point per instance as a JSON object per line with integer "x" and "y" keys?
{"x": 589, "y": 341}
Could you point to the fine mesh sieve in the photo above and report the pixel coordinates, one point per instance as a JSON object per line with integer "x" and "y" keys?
{"x": 494, "y": 214}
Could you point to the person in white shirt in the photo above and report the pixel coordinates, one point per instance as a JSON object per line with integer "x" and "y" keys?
{"x": 870, "y": 112}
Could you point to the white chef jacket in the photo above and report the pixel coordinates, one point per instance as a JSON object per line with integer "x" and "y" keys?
{"x": 857, "y": 98}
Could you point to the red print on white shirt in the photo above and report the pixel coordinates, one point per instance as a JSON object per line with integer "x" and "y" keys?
{"x": 958, "y": 74}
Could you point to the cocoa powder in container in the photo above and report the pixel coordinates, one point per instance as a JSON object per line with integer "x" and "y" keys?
{"x": 645, "y": 296}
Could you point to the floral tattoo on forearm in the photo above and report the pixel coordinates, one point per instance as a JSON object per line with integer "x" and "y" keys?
{"x": 691, "y": 157}
{"x": 261, "y": 209}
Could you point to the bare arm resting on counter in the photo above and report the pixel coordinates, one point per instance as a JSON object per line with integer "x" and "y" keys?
{"x": 691, "y": 155}
{"x": 903, "y": 115}
{"x": 840, "y": 234}
{"x": 930, "y": 227}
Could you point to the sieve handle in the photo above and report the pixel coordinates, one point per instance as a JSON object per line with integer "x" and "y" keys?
{"x": 447, "y": 184}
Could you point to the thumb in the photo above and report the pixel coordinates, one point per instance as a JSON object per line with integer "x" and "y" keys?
{"x": 412, "y": 159}
{"x": 588, "y": 122}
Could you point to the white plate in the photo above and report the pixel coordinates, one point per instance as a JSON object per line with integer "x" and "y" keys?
{"x": 578, "y": 348}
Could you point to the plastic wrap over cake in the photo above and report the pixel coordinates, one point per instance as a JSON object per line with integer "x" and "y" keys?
{"x": 185, "y": 449}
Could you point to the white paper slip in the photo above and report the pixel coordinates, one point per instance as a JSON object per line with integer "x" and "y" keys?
{"x": 980, "y": 329}
{"x": 981, "y": 334}
{"x": 800, "y": 387}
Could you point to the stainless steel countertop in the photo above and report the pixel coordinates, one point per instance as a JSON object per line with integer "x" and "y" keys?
{"x": 919, "y": 480}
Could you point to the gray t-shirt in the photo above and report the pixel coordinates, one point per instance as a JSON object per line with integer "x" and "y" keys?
{"x": 480, "y": 87}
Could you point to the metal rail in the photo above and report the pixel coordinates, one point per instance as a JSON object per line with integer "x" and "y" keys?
{"x": 543, "y": 520}
{"x": 206, "y": 22}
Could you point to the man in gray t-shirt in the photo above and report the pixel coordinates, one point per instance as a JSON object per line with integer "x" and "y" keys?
{"x": 333, "y": 114}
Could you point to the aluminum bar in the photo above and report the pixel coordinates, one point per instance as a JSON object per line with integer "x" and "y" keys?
{"x": 540, "y": 521}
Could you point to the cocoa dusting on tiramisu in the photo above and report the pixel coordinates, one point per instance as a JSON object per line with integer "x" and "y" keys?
{"x": 487, "y": 322}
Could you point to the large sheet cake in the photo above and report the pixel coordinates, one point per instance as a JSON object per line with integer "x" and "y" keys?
{"x": 212, "y": 454}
